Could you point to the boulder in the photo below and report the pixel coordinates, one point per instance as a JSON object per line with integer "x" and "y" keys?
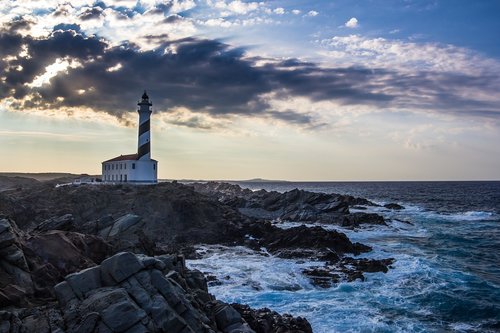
{"x": 64, "y": 222}
{"x": 119, "y": 267}
{"x": 267, "y": 321}
{"x": 129, "y": 296}
{"x": 393, "y": 206}
{"x": 123, "y": 223}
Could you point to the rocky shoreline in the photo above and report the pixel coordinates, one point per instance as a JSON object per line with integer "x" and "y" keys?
{"x": 111, "y": 258}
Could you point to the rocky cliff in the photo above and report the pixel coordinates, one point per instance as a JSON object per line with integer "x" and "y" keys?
{"x": 110, "y": 258}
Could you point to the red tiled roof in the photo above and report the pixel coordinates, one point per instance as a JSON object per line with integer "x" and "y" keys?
{"x": 131, "y": 157}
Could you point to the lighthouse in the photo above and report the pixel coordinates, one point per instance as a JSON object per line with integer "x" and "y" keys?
{"x": 144, "y": 143}
{"x": 139, "y": 167}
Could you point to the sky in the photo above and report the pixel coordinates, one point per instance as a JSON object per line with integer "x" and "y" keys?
{"x": 290, "y": 90}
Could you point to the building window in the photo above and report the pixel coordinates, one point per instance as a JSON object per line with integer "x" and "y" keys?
{"x": 154, "y": 166}
{"x": 133, "y": 165}
{"x": 125, "y": 166}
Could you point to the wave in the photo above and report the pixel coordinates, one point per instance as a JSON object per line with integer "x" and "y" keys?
{"x": 408, "y": 298}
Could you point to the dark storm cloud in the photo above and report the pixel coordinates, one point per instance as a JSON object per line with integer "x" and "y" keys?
{"x": 19, "y": 23}
{"x": 173, "y": 18}
{"x": 91, "y": 13}
{"x": 207, "y": 76}
{"x": 65, "y": 27}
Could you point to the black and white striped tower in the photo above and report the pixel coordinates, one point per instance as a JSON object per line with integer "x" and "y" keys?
{"x": 144, "y": 147}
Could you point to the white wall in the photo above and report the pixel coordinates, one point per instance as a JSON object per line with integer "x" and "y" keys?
{"x": 131, "y": 170}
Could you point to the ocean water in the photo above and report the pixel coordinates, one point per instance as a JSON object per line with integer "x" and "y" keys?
{"x": 446, "y": 277}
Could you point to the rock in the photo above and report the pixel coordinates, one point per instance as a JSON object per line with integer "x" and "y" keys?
{"x": 64, "y": 222}
{"x": 359, "y": 218}
{"x": 85, "y": 281}
{"x": 267, "y": 321}
{"x": 88, "y": 323}
{"x": 4, "y": 225}
{"x": 142, "y": 299}
{"x": 123, "y": 223}
{"x": 393, "y": 206}
{"x": 226, "y": 316}
{"x": 310, "y": 238}
{"x": 6, "y": 239}
{"x": 322, "y": 276}
{"x": 347, "y": 269}
{"x": 369, "y": 265}
{"x": 122, "y": 316}
{"x": 16, "y": 284}
{"x": 295, "y": 205}
{"x": 64, "y": 293}
{"x": 119, "y": 267}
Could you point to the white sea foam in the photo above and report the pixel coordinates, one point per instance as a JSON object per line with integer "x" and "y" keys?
{"x": 412, "y": 297}
{"x": 261, "y": 280}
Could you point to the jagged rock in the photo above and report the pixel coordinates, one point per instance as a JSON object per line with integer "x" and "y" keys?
{"x": 347, "y": 269}
{"x": 123, "y": 223}
{"x": 16, "y": 284}
{"x": 295, "y": 205}
{"x": 267, "y": 321}
{"x": 85, "y": 281}
{"x": 393, "y": 206}
{"x": 32, "y": 264}
{"x": 64, "y": 222}
{"x": 321, "y": 276}
{"x": 64, "y": 293}
{"x": 356, "y": 219}
{"x": 142, "y": 299}
{"x": 119, "y": 267}
{"x": 230, "y": 320}
{"x": 303, "y": 237}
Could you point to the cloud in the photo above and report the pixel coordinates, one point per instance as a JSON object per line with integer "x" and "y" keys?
{"x": 279, "y": 10}
{"x": 236, "y": 7}
{"x": 352, "y": 23}
{"x": 202, "y": 75}
{"x": 91, "y": 13}
{"x": 354, "y": 50}
{"x": 312, "y": 13}
{"x": 69, "y": 70}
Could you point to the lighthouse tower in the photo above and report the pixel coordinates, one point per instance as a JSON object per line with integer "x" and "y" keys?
{"x": 144, "y": 146}
{"x": 139, "y": 167}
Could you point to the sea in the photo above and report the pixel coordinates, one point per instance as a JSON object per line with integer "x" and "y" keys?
{"x": 445, "y": 278}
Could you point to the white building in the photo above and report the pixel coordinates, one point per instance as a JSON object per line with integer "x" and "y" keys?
{"x": 139, "y": 167}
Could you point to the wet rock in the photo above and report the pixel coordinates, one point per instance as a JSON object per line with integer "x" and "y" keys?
{"x": 267, "y": 321}
{"x": 143, "y": 299}
{"x": 347, "y": 269}
{"x": 369, "y": 265}
{"x": 322, "y": 277}
{"x": 393, "y": 206}
{"x": 359, "y": 218}
{"x": 303, "y": 237}
{"x": 295, "y": 205}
